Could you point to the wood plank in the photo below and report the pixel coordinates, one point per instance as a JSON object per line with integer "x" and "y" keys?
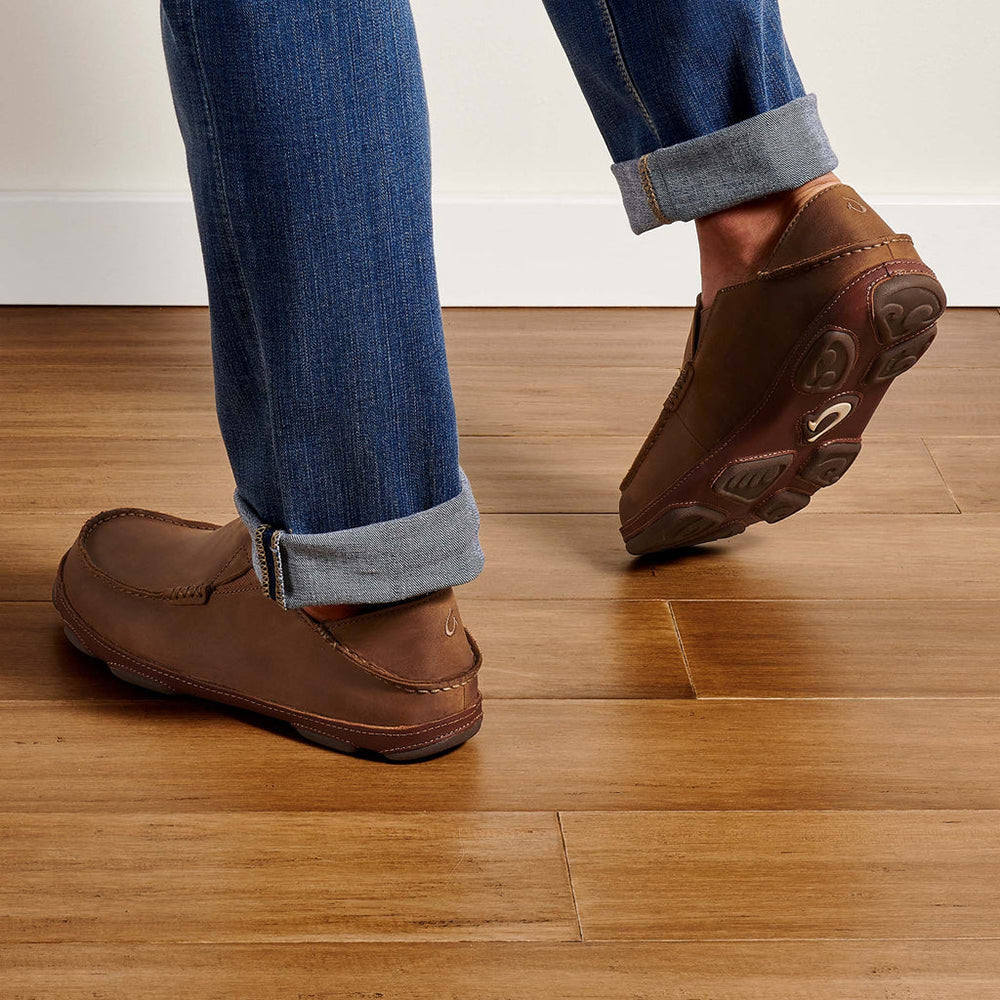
{"x": 786, "y": 875}
{"x": 581, "y": 475}
{"x": 546, "y": 556}
{"x": 183, "y": 756}
{"x": 616, "y": 337}
{"x": 185, "y": 476}
{"x": 279, "y": 877}
{"x": 971, "y": 468}
{"x": 534, "y": 649}
{"x": 74, "y": 401}
{"x": 406, "y": 970}
{"x": 135, "y": 336}
{"x": 942, "y": 401}
{"x": 558, "y": 400}
{"x": 868, "y": 556}
{"x": 967, "y": 338}
{"x": 577, "y": 649}
{"x": 841, "y": 649}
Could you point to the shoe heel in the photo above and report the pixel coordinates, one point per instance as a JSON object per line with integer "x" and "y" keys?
{"x": 904, "y": 313}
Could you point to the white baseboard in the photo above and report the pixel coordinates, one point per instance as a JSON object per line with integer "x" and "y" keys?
{"x": 122, "y": 248}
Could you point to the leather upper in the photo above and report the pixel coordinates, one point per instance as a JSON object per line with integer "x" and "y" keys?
{"x": 183, "y": 594}
{"x": 736, "y": 347}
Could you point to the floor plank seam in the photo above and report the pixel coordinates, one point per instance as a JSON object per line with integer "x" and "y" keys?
{"x": 947, "y": 485}
{"x": 569, "y": 875}
{"x": 680, "y": 643}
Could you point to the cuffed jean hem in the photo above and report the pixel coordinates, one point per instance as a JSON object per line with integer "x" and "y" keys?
{"x": 372, "y": 564}
{"x": 776, "y": 151}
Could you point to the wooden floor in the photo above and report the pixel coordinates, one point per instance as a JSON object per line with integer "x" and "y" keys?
{"x": 766, "y": 769}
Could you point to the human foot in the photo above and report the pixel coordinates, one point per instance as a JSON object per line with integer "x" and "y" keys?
{"x": 734, "y": 244}
{"x": 175, "y": 606}
{"x": 781, "y": 376}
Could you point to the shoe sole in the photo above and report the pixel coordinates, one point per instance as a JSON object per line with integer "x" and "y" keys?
{"x": 874, "y": 330}
{"x": 404, "y": 744}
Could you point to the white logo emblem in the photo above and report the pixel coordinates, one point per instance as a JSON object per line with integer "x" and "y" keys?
{"x": 827, "y": 420}
{"x": 450, "y": 623}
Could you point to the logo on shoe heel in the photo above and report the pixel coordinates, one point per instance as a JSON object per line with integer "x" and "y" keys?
{"x": 450, "y": 623}
{"x": 818, "y": 424}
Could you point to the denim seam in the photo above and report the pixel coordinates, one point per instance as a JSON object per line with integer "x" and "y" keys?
{"x": 647, "y": 186}
{"x": 226, "y": 214}
{"x": 279, "y": 573}
{"x": 262, "y": 571}
{"x": 612, "y": 35}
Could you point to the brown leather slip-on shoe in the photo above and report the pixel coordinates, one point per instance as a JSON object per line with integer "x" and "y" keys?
{"x": 780, "y": 377}
{"x": 175, "y": 606}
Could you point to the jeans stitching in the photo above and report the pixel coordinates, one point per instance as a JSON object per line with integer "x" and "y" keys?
{"x": 226, "y": 214}
{"x": 647, "y": 186}
{"x": 612, "y": 35}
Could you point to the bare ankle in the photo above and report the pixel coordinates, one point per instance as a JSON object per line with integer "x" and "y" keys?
{"x": 331, "y": 612}
{"x": 735, "y": 242}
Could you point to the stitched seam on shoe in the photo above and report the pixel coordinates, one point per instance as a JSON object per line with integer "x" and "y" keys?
{"x": 795, "y": 218}
{"x": 808, "y": 263}
{"x": 774, "y": 386}
{"x": 148, "y": 515}
{"x": 228, "y": 563}
{"x": 387, "y": 676}
{"x": 678, "y": 389}
{"x": 144, "y": 666}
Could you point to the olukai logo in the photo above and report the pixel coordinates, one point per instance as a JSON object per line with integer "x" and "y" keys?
{"x": 854, "y": 206}
{"x": 450, "y": 623}
{"x": 818, "y": 424}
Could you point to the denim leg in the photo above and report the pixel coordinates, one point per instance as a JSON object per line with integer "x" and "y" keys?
{"x": 699, "y": 102}
{"x": 306, "y": 131}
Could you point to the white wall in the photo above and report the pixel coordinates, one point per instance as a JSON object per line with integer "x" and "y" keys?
{"x": 910, "y": 94}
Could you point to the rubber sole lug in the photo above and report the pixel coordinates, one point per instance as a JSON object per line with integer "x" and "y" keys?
{"x": 850, "y": 361}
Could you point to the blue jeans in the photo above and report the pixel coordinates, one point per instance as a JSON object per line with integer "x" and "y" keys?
{"x": 305, "y": 125}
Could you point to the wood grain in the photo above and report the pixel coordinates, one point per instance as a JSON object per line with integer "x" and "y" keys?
{"x": 407, "y": 970}
{"x": 136, "y": 336}
{"x": 577, "y": 649}
{"x": 841, "y": 649}
{"x": 971, "y": 468}
{"x": 273, "y": 878}
{"x": 786, "y": 875}
{"x": 613, "y": 337}
{"x": 185, "y": 476}
{"x": 868, "y": 556}
{"x": 74, "y": 401}
{"x": 167, "y": 756}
